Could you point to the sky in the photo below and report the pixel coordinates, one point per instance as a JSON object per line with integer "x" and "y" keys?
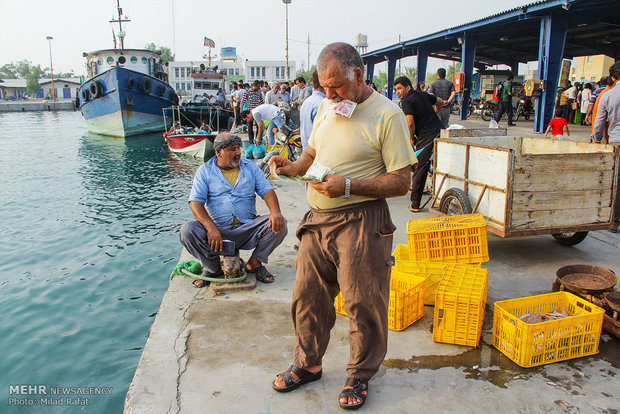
{"x": 255, "y": 27}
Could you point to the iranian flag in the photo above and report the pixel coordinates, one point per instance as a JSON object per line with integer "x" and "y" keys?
{"x": 209, "y": 42}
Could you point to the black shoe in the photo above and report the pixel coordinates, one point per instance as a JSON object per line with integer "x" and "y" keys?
{"x": 513, "y": 124}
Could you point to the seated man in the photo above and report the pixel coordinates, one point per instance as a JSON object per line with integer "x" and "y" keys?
{"x": 265, "y": 112}
{"x": 227, "y": 186}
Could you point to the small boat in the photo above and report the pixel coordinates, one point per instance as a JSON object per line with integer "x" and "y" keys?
{"x": 197, "y": 145}
{"x": 126, "y": 90}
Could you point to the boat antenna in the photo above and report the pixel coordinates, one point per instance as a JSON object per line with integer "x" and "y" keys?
{"x": 114, "y": 38}
{"x": 121, "y": 34}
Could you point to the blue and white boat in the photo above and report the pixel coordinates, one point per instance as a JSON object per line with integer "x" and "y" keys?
{"x": 126, "y": 91}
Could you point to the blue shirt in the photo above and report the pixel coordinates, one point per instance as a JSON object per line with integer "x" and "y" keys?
{"x": 306, "y": 115}
{"x": 224, "y": 201}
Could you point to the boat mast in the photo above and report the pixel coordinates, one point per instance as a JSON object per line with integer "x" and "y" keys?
{"x": 121, "y": 34}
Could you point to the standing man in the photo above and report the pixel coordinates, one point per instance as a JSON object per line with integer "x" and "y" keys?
{"x": 443, "y": 89}
{"x": 273, "y": 96}
{"x": 424, "y": 127}
{"x": 609, "y": 111}
{"x": 309, "y": 109}
{"x": 234, "y": 103}
{"x": 346, "y": 236}
{"x": 299, "y": 93}
{"x": 505, "y": 101}
{"x": 221, "y": 97}
{"x": 223, "y": 200}
{"x": 254, "y": 98}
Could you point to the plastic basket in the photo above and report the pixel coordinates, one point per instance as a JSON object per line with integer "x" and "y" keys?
{"x": 452, "y": 239}
{"x": 432, "y": 273}
{"x": 459, "y": 306}
{"x": 530, "y": 345}
{"x": 401, "y": 252}
{"x": 406, "y": 300}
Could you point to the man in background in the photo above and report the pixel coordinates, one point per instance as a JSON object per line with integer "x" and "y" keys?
{"x": 253, "y": 98}
{"x": 444, "y": 89}
{"x": 608, "y": 115}
{"x": 424, "y": 126}
{"x": 505, "y": 101}
{"x": 309, "y": 109}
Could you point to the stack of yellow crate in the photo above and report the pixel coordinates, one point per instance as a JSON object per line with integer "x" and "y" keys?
{"x": 436, "y": 267}
{"x": 447, "y": 252}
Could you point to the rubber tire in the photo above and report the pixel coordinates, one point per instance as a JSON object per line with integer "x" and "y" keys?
{"x": 131, "y": 83}
{"x": 145, "y": 85}
{"x": 576, "y": 238}
{"x": 526, "y": 116}
{"x": 95, "y": 89}
{"x": 264, "y": 167}
{"x": 487, "y": 114}
{"x": 85, "y": 95}
{"x": 458, "y": 195}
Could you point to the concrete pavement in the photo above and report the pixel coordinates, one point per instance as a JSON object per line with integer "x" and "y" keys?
{"x": 219, "y": 354}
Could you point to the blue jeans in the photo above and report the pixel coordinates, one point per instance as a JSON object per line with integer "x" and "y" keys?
{"x": 278, "y": 121}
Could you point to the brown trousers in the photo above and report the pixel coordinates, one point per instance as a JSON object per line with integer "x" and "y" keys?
{"x": 347, "y": 249}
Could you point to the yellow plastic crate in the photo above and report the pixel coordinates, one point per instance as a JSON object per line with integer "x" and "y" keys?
{"x": 459, "y": 306}
{"x": 451, "y": 239}
{"x": 432, "y": 272}
{"x": 406, "y": 301}
{"x": 530, "y": 345}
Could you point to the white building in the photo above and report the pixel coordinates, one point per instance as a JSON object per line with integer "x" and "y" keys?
{"x": 234, "y": 67}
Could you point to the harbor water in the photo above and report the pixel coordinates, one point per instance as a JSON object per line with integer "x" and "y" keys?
{"x": 90, "y": 233}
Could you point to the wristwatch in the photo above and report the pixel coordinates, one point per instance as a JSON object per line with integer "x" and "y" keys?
{"x": 347, "y": 187}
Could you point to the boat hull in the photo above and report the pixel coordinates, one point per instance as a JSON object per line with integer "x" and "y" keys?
{"x": 191, "y": 144}
{"x": 125, "y": 103}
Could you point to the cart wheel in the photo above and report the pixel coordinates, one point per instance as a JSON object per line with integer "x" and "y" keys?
{"x": 455, "y": 202}
{"x": 570, "y": 238}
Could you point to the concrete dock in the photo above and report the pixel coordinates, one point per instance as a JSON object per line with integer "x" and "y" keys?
{"x": 37, "y": 105}
{"x": 219, "y": 354}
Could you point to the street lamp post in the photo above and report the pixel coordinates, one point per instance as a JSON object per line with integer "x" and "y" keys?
{"x": 287, "y": 2}
{"x": 49, "y": 40}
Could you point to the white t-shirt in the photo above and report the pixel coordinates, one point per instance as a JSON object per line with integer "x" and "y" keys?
{"x": 265, "y": 111}
{"x": 240, "y": 94}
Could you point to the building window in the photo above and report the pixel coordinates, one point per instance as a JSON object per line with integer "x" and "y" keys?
{"x": 589, "y": 59}
{"x": 183, "y": 86}
{"x": 263, "y": 70}
{"x": 182, "y": 72}
{"x": 134, "y": 59}
{"x": 237, "y": 72}
{"x": 252, "y": 72}
{"x": 189, "y": 86}
{"x": 178, "y": 87}
{"x": 277, "y": 72}
{"x": 176, "y": 74}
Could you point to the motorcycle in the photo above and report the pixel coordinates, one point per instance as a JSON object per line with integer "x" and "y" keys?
{"x": 488, "y": 109}
{"x": 456, "y": 108}
{"x": 287, "y": 139}
{"x": 524, "y": 108}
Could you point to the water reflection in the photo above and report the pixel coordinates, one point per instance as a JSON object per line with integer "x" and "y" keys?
{"x": 131, "y": 184}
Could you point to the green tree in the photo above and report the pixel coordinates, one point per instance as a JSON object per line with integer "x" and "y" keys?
{"x": 452, "y": 69}
{"x": 307, "y": 74}
{"x": 32, "y": 80}
{"x": 412, "y": 74}
{"x": 166, "y": 53}
{"x": 380, "y": 80}
{"x": 8, "y": 71}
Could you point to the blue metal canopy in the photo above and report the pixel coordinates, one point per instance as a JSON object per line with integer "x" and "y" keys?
{"x": 545, "y": 31}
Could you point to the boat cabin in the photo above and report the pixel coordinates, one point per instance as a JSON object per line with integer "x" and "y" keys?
{"x": 139, "y": 60}
{"x": 206, "y": 83}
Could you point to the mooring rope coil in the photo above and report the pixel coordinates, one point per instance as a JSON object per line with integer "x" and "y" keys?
{"x": 193, "y": 269}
